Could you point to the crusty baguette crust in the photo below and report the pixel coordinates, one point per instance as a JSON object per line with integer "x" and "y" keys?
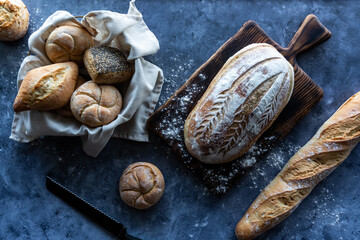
{"x": 46, "y": 88}
{"x": 311, "y": 164}
{"x": 241, "y": 103}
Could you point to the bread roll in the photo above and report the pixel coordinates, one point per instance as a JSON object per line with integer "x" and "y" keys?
{"x": 107, "y": 65}
{"x": 141, "y": 185}
{"x": 95, "y": 105}
{"x": 46, "y": 88}
{"x": 311, "y": 164}
{"x": 68, "y": 43}
{"x": 241, "y": 102}
{"x": 14, "y": 20}
{"x": 66, "y": 111}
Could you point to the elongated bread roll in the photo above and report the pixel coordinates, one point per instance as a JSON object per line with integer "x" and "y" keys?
{"x": 242, "y": 101}
{"x": 311, "y": 164}
{"x": 46, "y": 88}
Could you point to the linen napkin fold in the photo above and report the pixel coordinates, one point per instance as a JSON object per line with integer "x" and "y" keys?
{"x": 129, "y": 33}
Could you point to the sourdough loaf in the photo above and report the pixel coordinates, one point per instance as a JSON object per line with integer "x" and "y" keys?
{"x": 242, "y": 101}
{"x": 311, "y": 164}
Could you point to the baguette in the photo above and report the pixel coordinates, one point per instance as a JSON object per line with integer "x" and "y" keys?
{"x": 311, "y": 164}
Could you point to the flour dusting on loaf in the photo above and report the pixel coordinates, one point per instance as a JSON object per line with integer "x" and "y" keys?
{"x": 242, "y": 101}
{"x": 330, "y": 146}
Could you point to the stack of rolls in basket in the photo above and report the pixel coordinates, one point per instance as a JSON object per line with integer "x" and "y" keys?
{"x": 59, "y": 86}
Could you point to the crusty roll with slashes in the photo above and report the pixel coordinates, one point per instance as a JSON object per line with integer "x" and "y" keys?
{"x": 46, "y": 88}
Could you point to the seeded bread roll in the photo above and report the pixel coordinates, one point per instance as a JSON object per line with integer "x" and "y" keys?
{"x": 14, "y": 20}
{"x": 68, "y": 43}
{"x": 66, "y": 111}
{"x": 107, "y": 65}
{"x": 241, "y": 102}
{"x": 46, "y": 88}
{"x": 330, "y": 146}
{"x": 141, "y": 185}
{"x": 95, "y": 105}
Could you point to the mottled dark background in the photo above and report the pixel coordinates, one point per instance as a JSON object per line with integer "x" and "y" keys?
{"x": 189, "y": 32}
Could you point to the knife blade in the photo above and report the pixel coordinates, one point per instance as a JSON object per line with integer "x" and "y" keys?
{"x": 95, "y": 214}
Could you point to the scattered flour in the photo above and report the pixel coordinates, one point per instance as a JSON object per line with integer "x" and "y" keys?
{"x": 172, "y": 127}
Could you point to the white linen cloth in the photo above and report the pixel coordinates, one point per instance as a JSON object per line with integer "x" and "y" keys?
{"x": 127, "y": 32}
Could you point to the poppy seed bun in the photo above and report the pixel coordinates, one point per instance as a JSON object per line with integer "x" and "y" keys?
{"x": 107, "y": 65}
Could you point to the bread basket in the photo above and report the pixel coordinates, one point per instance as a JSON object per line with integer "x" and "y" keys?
{"x": 129, "y": 33}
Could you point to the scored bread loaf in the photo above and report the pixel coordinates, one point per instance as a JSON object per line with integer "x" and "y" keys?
{"x": 311, "y": 164}
{"x": 241, "y": 102}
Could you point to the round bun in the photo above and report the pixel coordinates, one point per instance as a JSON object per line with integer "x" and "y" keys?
{"x": 68, "y": 43}
{"x": 66, "y": 111}
{"x": 14, "y": 20}
{"x": 107, "y": 65}
{"x": 95, "y": 105}
{"x": 141, "y": 185}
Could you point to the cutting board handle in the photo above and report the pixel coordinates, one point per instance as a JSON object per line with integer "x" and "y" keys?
{"x": 311, "y": 33}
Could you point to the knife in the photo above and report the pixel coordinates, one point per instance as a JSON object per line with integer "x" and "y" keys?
{"x": 98, "y": 216}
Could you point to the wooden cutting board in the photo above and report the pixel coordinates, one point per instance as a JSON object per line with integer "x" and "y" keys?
{"x": 168, "y": 121}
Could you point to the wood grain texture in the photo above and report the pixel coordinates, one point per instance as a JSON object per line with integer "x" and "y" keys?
{"x": 219, "y": 178}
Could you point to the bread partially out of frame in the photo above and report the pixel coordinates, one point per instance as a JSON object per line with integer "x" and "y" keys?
{"x": 311, "y": 164}
{"x": 14, "y": 20}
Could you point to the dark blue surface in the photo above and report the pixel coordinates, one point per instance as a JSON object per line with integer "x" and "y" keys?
{"x": 189, "y": 33}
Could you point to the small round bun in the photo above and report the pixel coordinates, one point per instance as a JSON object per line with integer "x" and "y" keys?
{"x": 141, "y": 185}
{"x": 107, "y": 65}
{"x": 68, "y": 43}
{"x": 95, "y": 105}
{"x": 14, "y": 20}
